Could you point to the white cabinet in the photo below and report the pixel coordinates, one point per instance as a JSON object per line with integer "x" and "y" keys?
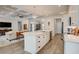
{"x": 71, "y": 44}
{"x": 74, "y": 13}
{"x": 34, "y": 41}
{"x": 71, "y": 48}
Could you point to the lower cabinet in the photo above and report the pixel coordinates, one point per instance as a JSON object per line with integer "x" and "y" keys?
{"x": 71, "y": 47}
{"x": 34, "y": 41}
{"x": 71, "y": 44}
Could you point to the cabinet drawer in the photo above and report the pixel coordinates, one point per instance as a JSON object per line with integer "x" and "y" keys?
{"x": 39, "y": 36}
{"x": 38, "y": 42}
{"x": 38, "y": 48}
{"x": 39, "y": 45}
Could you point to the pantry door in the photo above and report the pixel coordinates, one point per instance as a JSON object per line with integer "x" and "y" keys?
{"x": 58, "y": 26}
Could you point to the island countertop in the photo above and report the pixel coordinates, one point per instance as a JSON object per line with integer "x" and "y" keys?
{"x": 71, "y": 38}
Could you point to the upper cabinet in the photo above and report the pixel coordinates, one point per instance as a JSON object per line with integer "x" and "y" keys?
{"x": 74, "y": 14}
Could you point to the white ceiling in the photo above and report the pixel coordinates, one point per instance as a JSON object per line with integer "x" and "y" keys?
{"x": 39, "y": 10}
{"x": 44, "y": 10}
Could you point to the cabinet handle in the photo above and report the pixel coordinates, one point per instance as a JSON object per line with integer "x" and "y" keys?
{"x": 38, "y": 36}
{"x": 38, "y": 41}
{"x": 38, "y": 46}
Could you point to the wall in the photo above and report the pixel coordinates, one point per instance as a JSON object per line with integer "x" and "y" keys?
{"x": 5, "y": 20}
{"x": 14, "y": 22}
{"x": 64, "y": 19}
{"x": 25, "y": 21}
{"x": 50, "y": 27}
{"x": 51, "y": 19}
{"x": 74, "y": 13}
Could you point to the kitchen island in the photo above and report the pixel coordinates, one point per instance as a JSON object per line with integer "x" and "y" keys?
{"x": 71, "y": 44}
{"x": 35, "y": 41}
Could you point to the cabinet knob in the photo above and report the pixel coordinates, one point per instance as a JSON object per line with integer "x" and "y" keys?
{"x": 38, "y": 41}
{"x": 38, "y": 36}
{"x": 38, "y": 46}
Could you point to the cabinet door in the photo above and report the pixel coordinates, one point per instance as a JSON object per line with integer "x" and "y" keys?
{"x": 30, "y": 44}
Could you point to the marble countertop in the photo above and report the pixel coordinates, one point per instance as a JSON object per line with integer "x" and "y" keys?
{"x": 71, "y": 38}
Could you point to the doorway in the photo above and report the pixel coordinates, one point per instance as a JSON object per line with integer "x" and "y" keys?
{"x": 58, "y": 26}
{"x": 62, "y": 27}
{"x": 19, "y": 26}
